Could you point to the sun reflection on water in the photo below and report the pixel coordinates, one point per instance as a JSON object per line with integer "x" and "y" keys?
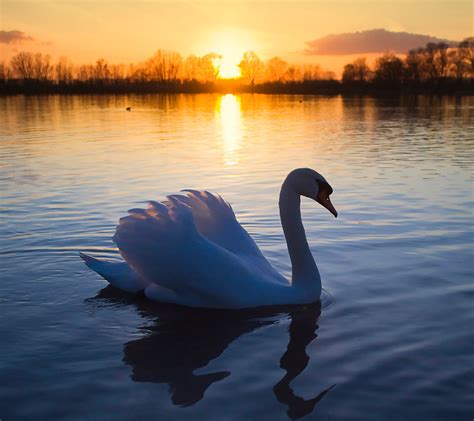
{"x": 229, "y": 107}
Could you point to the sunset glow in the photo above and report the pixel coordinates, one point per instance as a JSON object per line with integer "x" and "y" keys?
{"x": 230, "y": 44}
{"x": 216, "y": 35}
{"x": 229, "y": 65}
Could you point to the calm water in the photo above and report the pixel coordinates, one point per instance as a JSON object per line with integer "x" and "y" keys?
{"x": 394, "y": 338}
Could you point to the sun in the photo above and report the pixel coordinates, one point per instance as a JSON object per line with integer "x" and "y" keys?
{"x": 230, "y": 44}
{"x": 230, "y": 57}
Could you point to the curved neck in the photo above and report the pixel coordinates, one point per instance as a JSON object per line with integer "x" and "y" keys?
{"x": 304, "y": 269}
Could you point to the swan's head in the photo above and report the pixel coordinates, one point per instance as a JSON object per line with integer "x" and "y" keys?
{"x": 310, "y": 183}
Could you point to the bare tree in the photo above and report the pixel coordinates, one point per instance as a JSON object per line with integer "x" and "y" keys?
{"x": 139, "y": 72}
{"x": 208, "y": 68}
{"x": 191, "y": 67}
{"x": 275, "y": 70}
{"x": 42, "y": 67}
{"x": 328, "y": 75}
{"x": 22, "y": 65}
{"x": 64, "y": 70}
{"x": 251, "y": 68}
{"x": 85, "y": 73}
{"x": 436, "y": 59}
{"x": 164, "y": 65}
{"x": 173, "y": 65}
{"x": 311, "y": 72}
{"x": 101, "y": 70}
{"x": 462, "y": 59}
{"x": 414, "y": 65}
{"x": 3, "y": 72}
{"x": 294, "y": 73}
{"x": 117, "y": 72}
{"x": 156, "y": 66}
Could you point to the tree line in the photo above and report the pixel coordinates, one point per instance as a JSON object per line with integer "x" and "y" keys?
{"x": 435, "y": 66}
{"x": 435, "y": 62}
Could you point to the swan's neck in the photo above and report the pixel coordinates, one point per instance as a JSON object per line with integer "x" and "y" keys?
{"x": 304, "y": 269}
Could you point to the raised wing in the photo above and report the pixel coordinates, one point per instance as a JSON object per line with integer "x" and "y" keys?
{"x": 215, "y": 220}
{"x": 163, "y": 246}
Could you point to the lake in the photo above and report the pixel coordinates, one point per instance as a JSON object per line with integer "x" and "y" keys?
{"x": 393, "y": 337}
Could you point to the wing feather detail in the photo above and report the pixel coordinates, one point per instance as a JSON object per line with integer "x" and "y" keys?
{"x": 192, "y": 245}
{"x": 214, "y": 218}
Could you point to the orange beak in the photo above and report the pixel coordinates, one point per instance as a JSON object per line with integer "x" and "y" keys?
{"x": 323, "y": 199}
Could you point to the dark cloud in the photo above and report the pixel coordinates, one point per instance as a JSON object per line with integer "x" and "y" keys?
{"x": 11, "y": 37}
{"x": 373, "y": 41}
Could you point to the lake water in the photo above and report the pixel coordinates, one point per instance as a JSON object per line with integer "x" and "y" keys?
{"x": 394, "y": 336}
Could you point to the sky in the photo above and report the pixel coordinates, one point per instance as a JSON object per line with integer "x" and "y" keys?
{"x": 124, "y": 31}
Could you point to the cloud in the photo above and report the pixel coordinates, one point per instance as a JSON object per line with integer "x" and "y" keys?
{"x": 372, "y": 41}
{"x": 11, "y": 37}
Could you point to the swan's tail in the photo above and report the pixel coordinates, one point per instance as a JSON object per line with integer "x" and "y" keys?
{"x": 90, "y": 261}
{"x": 118, "y": 274}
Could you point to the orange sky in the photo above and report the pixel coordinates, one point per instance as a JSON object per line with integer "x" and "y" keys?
{"x": 124, "y": 31}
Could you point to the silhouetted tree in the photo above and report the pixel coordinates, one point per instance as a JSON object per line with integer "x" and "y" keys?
{"x": 328, "y": 75}
{"x": 164, "y": 66}
{"x": 64, "y": 70}
{"x": 357, "y": 71}
{"x": 117, "y": 72}
{"x": 42, "y": 68}
{"x": 433, "y": 67}
{"x": 3, "y": 72}
{"x": 139, "y": 73}
{"x": 294, "y": 73}
{"x": 208, "y": 68}
{"x": 311, "y": 72}
{"x": 23, "y": 65}
{"x": 101, "y": 70}
{"x": 275, "y": 70}
{"x": 436, "y": 59}
{"x": 251, "y": 68}
{"x": 462, "y": 59}
{"x": 191, "y": 68}
{"x": 389, "y": 69}
{"x": 156, "y": 66}
{"x": 414, "y": 65}
{"x": 85, "y": 73}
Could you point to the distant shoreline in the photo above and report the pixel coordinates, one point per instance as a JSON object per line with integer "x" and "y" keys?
{"x": 446, "y": 86}
{"x": 436, "y": 69}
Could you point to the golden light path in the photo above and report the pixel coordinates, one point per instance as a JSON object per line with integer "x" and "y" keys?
{"x": 228, "y": 107}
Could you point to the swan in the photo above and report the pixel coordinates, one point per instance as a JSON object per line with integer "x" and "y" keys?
{"x": 190, "y": 250}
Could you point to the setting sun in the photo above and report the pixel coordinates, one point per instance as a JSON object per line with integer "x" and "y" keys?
{"x": 229, "y": 62}
{"x": 230, "y": 45}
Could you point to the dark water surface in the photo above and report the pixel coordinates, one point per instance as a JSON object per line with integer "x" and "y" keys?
{"x": 394, "y": 337}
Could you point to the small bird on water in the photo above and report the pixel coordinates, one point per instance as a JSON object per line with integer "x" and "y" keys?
{"x": 129, "y": 108}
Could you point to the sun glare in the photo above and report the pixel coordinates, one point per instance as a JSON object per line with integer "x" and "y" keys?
{"x": 230, "y": 45}
{"x": 229, "y": 63}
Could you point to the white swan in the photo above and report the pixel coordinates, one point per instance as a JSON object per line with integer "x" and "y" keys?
{"x": 190, "y": 250}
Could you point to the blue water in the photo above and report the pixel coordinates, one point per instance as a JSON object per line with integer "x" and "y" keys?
{"x": 394, "y": 336}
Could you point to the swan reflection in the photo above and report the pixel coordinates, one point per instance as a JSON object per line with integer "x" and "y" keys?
{"x": 302, "y": 332}
{"x": 175, "y": 349}
{"x": 228, "y": 108}
{"x": 182, "y": 341}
